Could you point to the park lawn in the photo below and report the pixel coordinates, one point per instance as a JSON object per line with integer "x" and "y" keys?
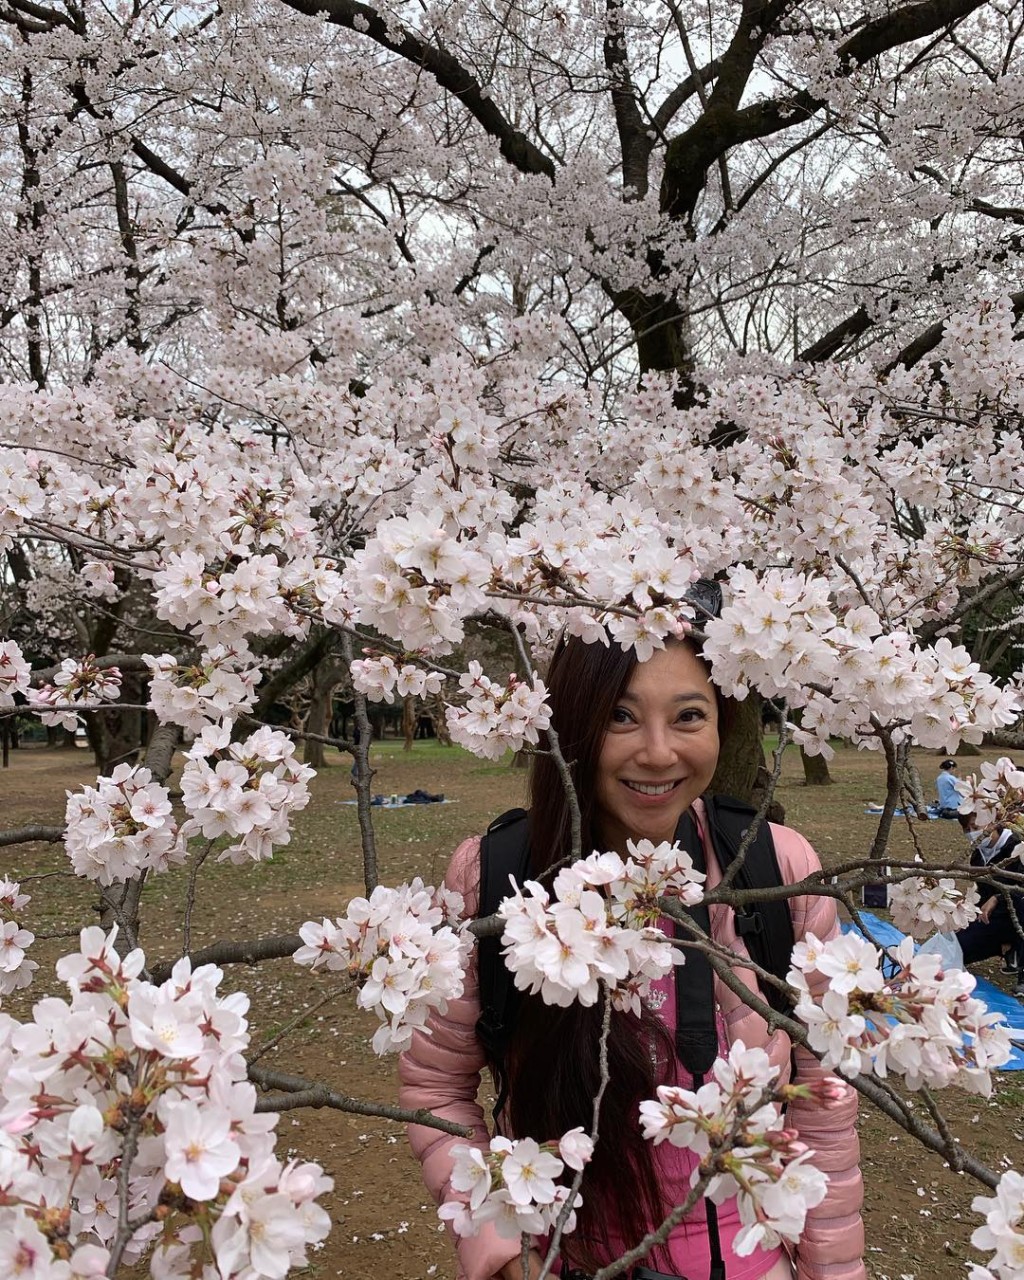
{"x": 917, "y": 1213}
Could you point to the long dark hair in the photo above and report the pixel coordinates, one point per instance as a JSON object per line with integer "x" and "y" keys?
{"x": 552, "y": 1061}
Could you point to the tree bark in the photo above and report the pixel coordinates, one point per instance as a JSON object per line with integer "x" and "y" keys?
{"x": 741, "y": 755}
{"x": 325, "y": 679}
{"x": 117, "y": 736}
{"x": 816, "y": 772}
{"x": 435, "y": 708}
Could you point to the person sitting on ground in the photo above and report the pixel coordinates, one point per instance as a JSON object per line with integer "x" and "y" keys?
{"x": 997, "y": 930}
{"x": 945, "y": 784}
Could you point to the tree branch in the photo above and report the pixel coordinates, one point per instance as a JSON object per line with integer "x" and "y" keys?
{"x": 927, "y": 341}
{"x": 298, "y": 1092}
{"x": 26, "y": 835}
{"x": 723, "y": 125}
{"x": 634, "y": 143}
{"x": 446, "y": 69}
{"x": 276, "y": 946}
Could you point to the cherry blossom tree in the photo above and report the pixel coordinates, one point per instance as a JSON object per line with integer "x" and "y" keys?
{"x": 342, "y": 332}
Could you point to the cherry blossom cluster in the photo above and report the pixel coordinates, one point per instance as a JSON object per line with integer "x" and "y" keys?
{"x": 16, "y": 969}
{"x": 77, "y": 682}
{"x": 15, "y": 672}
{"x": 922, "y": 905}
{"x": 996, "y": 798}
{"x": 920, "y": 1023}
{"x": 247, "y": 790}
{"x": 403, "y": 948}
{"x": 1003, "y": 1231}
{"x": 131, "y": 1088}
{"x": 513, "y": 1186}
{"x": 97, "y": 580}
{"x": 780, "y": 633}
{"x": 601, "y": 928}
{"x": 498, "y": 717}
{"x": 381, "y": 679}
{"x": 121, "y": 827}
{"x": 223, "y": 605}
{"x": 733, "y": 1125}
{"x": 221, "y": 683}
{"x": 21, "y": 498}
{"x": 415, "y": 581}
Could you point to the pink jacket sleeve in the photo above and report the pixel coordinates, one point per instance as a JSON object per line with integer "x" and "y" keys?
{"x": 441, "y": 1071}
{"x": 832, "y": 1246}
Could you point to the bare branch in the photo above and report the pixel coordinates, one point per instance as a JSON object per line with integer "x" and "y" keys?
{"x": 298, "y": 1092}
{"x": 26, "y": 835}
{"x": 274, "y": 947}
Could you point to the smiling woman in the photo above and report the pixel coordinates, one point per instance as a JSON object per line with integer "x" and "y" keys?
{"x": 660, "y": 749}
{"x": 642, "y": 742}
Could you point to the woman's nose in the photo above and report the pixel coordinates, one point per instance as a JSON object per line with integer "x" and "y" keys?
{"x": 656, "y": 749}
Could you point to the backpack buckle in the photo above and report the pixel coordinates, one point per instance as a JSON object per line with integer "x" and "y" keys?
{"x": 748, "y": 922}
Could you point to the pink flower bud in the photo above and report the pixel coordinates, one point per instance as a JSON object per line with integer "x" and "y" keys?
{"x": 830, "y": 1091}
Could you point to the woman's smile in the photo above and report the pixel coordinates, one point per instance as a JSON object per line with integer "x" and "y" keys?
{"x": 652, "y": 788}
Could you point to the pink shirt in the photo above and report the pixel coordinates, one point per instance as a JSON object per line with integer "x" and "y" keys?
{"x": 688, "y": 1244}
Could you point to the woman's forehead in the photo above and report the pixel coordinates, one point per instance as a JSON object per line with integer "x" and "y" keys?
{"x": 670, "y": 673}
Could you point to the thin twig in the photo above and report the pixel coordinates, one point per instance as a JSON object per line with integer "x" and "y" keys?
{"x": 564, "y": 772}
{"x": 363, "y": 778}
{"x": 300, "y": 1017}
{"x": 125, "y": 1228}
{"x": 605, "y": 1075}
{"x": 123, "y": 922}
{"x": 190, "y": 897}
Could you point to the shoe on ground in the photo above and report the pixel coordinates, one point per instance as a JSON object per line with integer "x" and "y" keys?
{"x": 1008, "y": 963}
{"x": 1018, "y": 991}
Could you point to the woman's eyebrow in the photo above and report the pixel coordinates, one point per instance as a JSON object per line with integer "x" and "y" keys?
{"x": 694, "y": 696}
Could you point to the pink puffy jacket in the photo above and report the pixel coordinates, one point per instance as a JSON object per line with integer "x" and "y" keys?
{"x": 441, "y": 1071}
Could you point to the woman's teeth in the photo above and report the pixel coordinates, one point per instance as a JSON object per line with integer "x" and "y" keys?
{"x": 651, "y": 788}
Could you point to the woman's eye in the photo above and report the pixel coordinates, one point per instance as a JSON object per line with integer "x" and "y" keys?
{"x": 621, "y": 716}
{"x": 691, "y": 715}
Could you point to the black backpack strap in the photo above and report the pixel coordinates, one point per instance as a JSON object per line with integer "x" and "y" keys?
{"x": 766, "y": 927}
{"x": 696, "y": 1030}
{"x": 504, "y": 852}
{"x": 767, "y": 931}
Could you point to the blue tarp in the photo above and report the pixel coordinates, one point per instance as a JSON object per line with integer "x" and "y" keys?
{"x": 884, "y": 934}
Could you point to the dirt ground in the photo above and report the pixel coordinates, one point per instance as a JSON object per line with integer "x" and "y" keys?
{"x": 917, "y": 1212}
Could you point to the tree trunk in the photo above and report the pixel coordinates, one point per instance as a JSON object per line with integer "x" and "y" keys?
{"x": 816, "y": 772}
{"x": 408, "y": 720}
{"x": 116, "y": 736}
{"x": 436, "y": 709}
{"x": 741, "y": 755}
{"x": 318, "y": 717}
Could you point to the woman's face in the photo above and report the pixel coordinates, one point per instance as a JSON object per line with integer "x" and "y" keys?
{"x": 660, "y": 750}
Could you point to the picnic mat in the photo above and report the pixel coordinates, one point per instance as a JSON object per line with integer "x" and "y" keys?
{"x": 402, "y": 804}
{"x": 876, "y": 809}
{"x": 996, "y": 1001}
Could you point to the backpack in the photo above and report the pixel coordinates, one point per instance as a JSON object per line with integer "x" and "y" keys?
{"x": 766, "y": 928}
